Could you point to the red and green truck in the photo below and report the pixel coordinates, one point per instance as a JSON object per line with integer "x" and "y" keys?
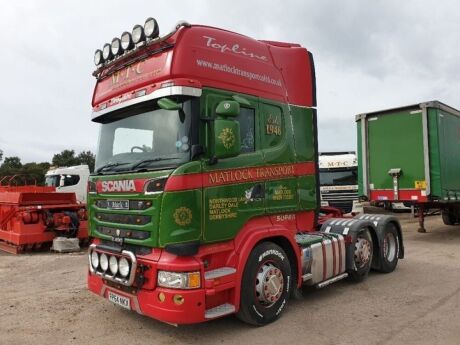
{"x": 205, "y": 197}
{"x": 411, "y": 154}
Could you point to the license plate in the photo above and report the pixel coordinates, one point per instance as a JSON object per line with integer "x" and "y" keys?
{"x": 119, "y": 300}
{"x": 118, "y": 204}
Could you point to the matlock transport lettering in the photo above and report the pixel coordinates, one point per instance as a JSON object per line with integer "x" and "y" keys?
{"x": 250, "y": 174}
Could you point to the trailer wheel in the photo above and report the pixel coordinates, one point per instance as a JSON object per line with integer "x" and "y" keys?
{"x": 265, "y": 285}
{"x": 363, "y": 252}
{"x": 390, "y": 249}
{"x": 448, "y": 217}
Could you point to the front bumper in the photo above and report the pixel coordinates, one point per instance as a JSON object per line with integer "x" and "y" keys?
{"x": 190, "y": 309}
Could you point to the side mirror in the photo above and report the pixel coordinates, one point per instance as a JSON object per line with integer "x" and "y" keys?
{"x": 62, "y": 181}
{"x": 228, "y": 109}
{"x": 227, "y": 141}
{"x": 168, "y": 104}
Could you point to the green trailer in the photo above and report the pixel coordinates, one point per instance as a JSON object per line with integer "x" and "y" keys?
{"x": 411, "y": 154}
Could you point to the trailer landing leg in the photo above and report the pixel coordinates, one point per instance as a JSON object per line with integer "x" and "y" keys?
{"x": 421, "y": 218}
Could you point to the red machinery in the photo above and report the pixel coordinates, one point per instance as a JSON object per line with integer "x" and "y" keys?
{"x": 32, "y": 216}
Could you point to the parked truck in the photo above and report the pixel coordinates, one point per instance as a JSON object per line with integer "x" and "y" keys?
{"x": 338, "y": 175}
{"x": 205, "y": 197}
{"x": 411, "y": 154}
{"x": 72, "y": 179}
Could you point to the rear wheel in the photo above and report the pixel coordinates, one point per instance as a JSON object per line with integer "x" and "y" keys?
{"x": 448, "y": 217}
{"x": 363, "y": 252}
{"x": 265, "y": 286}
{"x": 390, "y": 249}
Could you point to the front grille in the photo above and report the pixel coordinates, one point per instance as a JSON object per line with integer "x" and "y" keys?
{"x": 345, "y": 206}
{"x": 123, "y": 233}
{"x": 123, "y": 218}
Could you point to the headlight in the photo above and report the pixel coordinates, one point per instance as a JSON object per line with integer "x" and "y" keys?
{"x": 104, "y": 260}
{"x": 94, "y": 260}
{"x": 123, "y": 267}
{"x": 107, "y": 52}
{"x": 151, "y": 29}
{"x": 176, "y": 280}
{"x": 138, "y": 34}
{"x": 126, "y": 41}
{"x": 116, "y": 47}
{"x": 113, "y": 264}
{"x": 98, "y": 57}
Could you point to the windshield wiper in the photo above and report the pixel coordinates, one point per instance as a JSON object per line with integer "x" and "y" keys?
{"x": 110, "y": 165}
{"x": 150, "y": 160}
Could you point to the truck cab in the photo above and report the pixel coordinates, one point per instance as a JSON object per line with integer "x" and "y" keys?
{"x": 69, "y": 179}
{"x": 338, "y": 174}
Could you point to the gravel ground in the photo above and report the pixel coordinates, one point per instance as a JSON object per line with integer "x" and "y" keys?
{"x": 43, "y": 300}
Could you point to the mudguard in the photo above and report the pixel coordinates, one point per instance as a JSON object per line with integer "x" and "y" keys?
{"x": 349, "y": 228}
{"x": 380, "y": 222}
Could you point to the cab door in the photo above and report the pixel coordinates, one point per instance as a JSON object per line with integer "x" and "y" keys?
{"x": 232, "y": 193}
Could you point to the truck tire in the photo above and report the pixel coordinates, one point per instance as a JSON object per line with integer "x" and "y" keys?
{"x": 390, "y": 249}
{"x": 363, "y": 252}
{"x": 448, "y": 217}
{"x": 266, "y": 284}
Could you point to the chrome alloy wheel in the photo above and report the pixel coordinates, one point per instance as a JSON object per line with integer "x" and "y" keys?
{"x": 269, "y": 284}
{"x": 363, "y": 252}
{"x": 389, "y": 246}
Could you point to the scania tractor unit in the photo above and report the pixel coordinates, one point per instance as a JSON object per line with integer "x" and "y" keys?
{"x": 205, "y": 197}
{"x": 338, "y": 176}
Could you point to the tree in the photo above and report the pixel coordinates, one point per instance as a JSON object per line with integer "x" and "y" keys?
{"x": 12, "y": 163}
{"x": 65, "y": 159}
{"x": 88, "y": 158}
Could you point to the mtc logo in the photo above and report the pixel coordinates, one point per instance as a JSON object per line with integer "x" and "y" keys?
{"x": 127, "y": 73}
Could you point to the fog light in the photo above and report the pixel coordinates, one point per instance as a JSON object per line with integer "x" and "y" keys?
{"x": 126, "y": 41}
{"x": 104, "y": 260}
{"x": 107, "y": 52}
{"x": 151, "y": 29}
{"x": 138, "y": 34}
{"x": 178, "y": 299}
{"x": 116, "y": 47}
{"x": 123, "y": 267}
{"x": 98, "y": 59}
{"x": 113, "y": 264}
{"x": 94, "y": 260}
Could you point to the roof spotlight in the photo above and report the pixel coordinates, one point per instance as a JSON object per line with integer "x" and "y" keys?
{"x": 98, "y": 59}
{"x": 126, "y": 41}
{"x": 116, "y": 47}
{"x": 151, "y": 28}
{"x": 138, "y": 34}
{"x": 107, "y": 52}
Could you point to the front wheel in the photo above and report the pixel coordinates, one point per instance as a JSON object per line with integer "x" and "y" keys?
{"x": 362, "y": 255}
{"x": 265, "y": 285}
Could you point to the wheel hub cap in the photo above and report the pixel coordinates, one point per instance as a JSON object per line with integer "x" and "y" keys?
{"x": 362, "y": 252}
{"x": 269, "y": 284}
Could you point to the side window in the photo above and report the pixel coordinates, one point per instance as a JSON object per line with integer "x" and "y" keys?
{"x": 71, "y": 180}
{"x": 246, "y": 118}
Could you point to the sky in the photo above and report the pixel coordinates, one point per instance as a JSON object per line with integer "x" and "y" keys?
{"x": 369, "y": 55}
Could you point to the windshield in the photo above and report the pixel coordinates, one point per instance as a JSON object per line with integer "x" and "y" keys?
{"x": 147, "y": 140}
{"x": 55, "y": 180}
{"x": 338, "y": 177}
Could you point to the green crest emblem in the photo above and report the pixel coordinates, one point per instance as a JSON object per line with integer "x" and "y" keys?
{"x": 227, "y": 137}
